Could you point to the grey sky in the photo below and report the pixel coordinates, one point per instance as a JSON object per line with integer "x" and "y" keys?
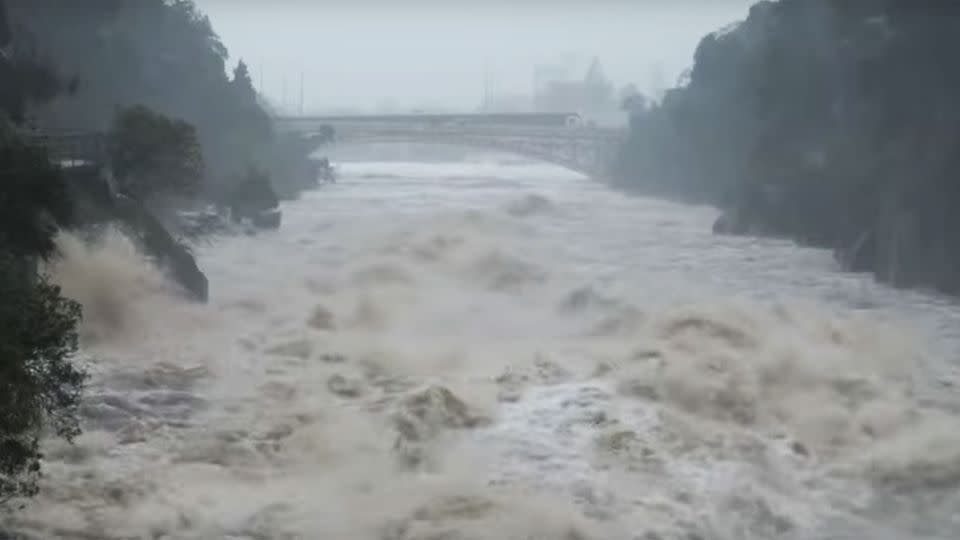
{"x": 417, "y": 53}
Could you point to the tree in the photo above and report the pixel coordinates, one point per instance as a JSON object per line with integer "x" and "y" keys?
{"x": 153, "y": 155}
{"x": 242, "y": 83}
{"x": 39, "y": 385}
{"x": 33, "y": 200}
{"x": 253, "y": 195}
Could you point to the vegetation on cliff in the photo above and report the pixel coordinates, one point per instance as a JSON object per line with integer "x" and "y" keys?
{"x": 832, "y": 122}
{"x": 153, "y": 155}
{"x": 162, "y": 54}
{"x": 40, "y": 385}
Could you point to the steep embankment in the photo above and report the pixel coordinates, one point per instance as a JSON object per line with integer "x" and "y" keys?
{"x": 95, "y": 204}
{"x": 832, "y": 123}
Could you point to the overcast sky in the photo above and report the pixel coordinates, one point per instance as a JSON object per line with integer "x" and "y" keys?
{"x": 423, "y": 53}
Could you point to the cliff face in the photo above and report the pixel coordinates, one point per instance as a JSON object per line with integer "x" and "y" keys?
{"x": 833, "y": 122}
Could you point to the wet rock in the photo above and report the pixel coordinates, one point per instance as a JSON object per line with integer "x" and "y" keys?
{"x": 344, "y": 387}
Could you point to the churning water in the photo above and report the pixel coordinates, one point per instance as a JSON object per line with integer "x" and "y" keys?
{"x": 494, "y": 349}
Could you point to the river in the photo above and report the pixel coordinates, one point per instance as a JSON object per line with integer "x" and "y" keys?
{"x": 489, "y": 348}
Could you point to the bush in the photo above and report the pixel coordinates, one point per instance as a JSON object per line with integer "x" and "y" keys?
{"x": 253, "y": 195}
{"x": 39, "y": 385}
{"x": 153, "y": 155}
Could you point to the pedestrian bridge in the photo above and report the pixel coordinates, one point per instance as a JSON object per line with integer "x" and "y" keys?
{"x": 559, "y": 138}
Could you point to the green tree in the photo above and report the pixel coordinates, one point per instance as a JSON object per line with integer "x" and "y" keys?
{"x": 253, "y": 194}
{"x": 153, "y": 155}
{"x": 40, "y": 387}
{"x": 163, "y": 54}
{"x": 242, "y": 82}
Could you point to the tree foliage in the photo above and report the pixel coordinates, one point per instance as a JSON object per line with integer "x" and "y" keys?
{"x": 162, "y": 54}
{"x": 835, "y": 122}
{"x": 25, "y": 77}
{"x": 152, "y": 154}
{"x": 40, "y": 386}
{"x": 253, "y": 194}
{"x": 33, "y": 200}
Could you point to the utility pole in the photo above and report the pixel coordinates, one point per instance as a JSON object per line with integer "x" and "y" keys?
{"x": 301, "y": 93}
{"x": 283, "y": 90}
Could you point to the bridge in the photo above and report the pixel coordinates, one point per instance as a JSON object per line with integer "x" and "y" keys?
{"x": 559, "y": 138}
{"x": 70, "y": 147}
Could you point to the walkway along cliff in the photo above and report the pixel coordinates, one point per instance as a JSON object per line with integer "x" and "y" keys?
{"x": 96, "y": 202}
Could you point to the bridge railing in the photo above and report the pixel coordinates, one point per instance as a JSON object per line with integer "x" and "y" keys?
{"x": 342, "y": 130}
{"x": 68, "y": 147}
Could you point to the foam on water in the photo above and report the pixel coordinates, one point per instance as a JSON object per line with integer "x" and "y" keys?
{"x": 531, "y": 357}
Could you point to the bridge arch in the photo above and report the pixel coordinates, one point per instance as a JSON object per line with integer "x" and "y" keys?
{"x": 587, "y": 155}
{"x": 542, "y": 155}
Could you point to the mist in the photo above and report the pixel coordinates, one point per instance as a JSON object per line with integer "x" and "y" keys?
{"x": 424, "y": 54}
{"x": 479, "y": 270}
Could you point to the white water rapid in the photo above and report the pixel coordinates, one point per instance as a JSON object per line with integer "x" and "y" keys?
{"x": 502, "y": 350}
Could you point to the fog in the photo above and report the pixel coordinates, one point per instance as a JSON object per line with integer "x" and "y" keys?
{"x": 423, "y": 54}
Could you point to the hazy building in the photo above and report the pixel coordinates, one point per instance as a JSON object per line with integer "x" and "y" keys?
{"x": 593, "y": 95}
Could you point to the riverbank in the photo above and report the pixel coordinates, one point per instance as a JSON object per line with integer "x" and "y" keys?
{"x": 799, "y": 124}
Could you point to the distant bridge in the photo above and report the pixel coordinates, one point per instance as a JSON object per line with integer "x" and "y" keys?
{"x": 559, "y": 138}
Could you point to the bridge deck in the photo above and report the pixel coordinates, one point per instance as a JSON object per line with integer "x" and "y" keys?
{"x": 547, "y": 119}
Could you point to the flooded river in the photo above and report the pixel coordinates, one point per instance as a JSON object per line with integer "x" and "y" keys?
{"x": 495, "y": 349}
